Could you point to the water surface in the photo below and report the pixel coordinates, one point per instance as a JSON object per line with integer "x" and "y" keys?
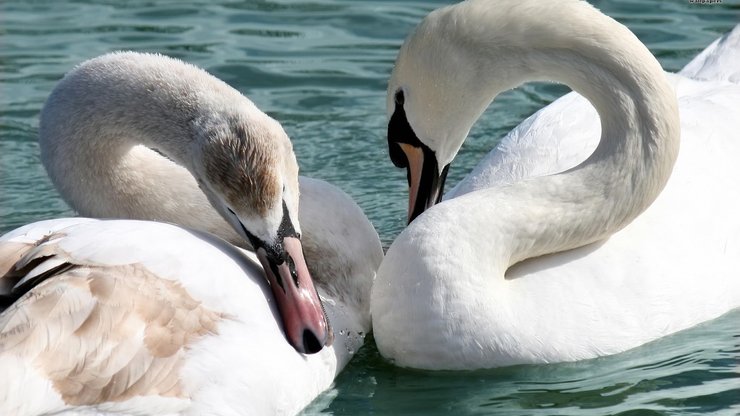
{"x": 320, "y": 68}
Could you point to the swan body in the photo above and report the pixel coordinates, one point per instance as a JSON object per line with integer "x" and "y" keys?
{"x": 559, "y": 246}
{"x": 139, "y": 317}
{"x": 150, "y": 318}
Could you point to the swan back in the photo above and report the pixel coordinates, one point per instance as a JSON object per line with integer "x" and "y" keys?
{"x": 342, "y": 248}
{"x": 184, "y": 345}
{"x": 720, "y": 61}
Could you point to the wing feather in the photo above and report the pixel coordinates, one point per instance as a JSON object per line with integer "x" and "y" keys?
{"x": 99, "y": 333}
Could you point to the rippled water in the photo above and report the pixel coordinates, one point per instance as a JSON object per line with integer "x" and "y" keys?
{"x": 320, "y": 68}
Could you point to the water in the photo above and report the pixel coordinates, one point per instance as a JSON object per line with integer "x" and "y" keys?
{"x": 320, "y": 67}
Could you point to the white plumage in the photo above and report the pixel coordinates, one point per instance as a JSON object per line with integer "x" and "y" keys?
{"x": 543, "y": 253}
{"x": 139, "y": 317}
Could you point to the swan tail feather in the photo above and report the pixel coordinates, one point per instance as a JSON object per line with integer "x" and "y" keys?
{"x": 23, "y": 266}
{"x": 95, "y": 333}
{"x": 10, "y": 254}
{"x": 719, "y": 61}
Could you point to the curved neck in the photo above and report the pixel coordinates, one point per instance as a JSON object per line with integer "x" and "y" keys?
{"x": 112, "y": 151}
{"x": 607, "y": 64}
{"x": 629, "y": 168}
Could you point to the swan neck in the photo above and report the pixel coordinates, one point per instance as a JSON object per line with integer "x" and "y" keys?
{"x": 603, "y": 61}
{"x": 120, "y": 137}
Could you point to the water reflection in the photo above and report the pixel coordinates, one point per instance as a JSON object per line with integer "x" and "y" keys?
{"x": 680, "y": 373}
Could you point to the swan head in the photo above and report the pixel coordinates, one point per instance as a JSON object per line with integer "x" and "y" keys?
{"x": 431, "y": 105}
{"x": 446, "y": 74}
{"x": 249, "y": 173}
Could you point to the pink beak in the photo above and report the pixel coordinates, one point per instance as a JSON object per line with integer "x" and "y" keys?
{"x": 304, "y": 321}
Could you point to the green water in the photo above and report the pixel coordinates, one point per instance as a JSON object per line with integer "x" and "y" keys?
{"x": 320, "y": 67}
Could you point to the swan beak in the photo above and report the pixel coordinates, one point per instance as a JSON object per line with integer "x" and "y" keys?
{"x": 304, "y": 321}
{"x": 425, "y": 181}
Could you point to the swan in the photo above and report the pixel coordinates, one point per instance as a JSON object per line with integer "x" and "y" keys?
{"x": 556, "y": 249}
{"x": 142, "y": 317}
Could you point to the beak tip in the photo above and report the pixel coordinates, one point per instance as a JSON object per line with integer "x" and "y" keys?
{"x": 311, "y": 343}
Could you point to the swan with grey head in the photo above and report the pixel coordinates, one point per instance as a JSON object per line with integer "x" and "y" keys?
{"x": 127, "y": 316}
{"x": 556, "y": 248}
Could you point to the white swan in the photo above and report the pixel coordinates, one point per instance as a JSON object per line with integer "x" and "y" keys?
{"x": 593, "y": 274}
{"x": 123, "y": 316}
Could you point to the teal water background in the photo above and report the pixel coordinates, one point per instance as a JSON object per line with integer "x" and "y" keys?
{"x": 320, "y": 68}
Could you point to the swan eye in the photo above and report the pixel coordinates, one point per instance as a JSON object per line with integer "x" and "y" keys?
{"x": 400, "y": 98}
